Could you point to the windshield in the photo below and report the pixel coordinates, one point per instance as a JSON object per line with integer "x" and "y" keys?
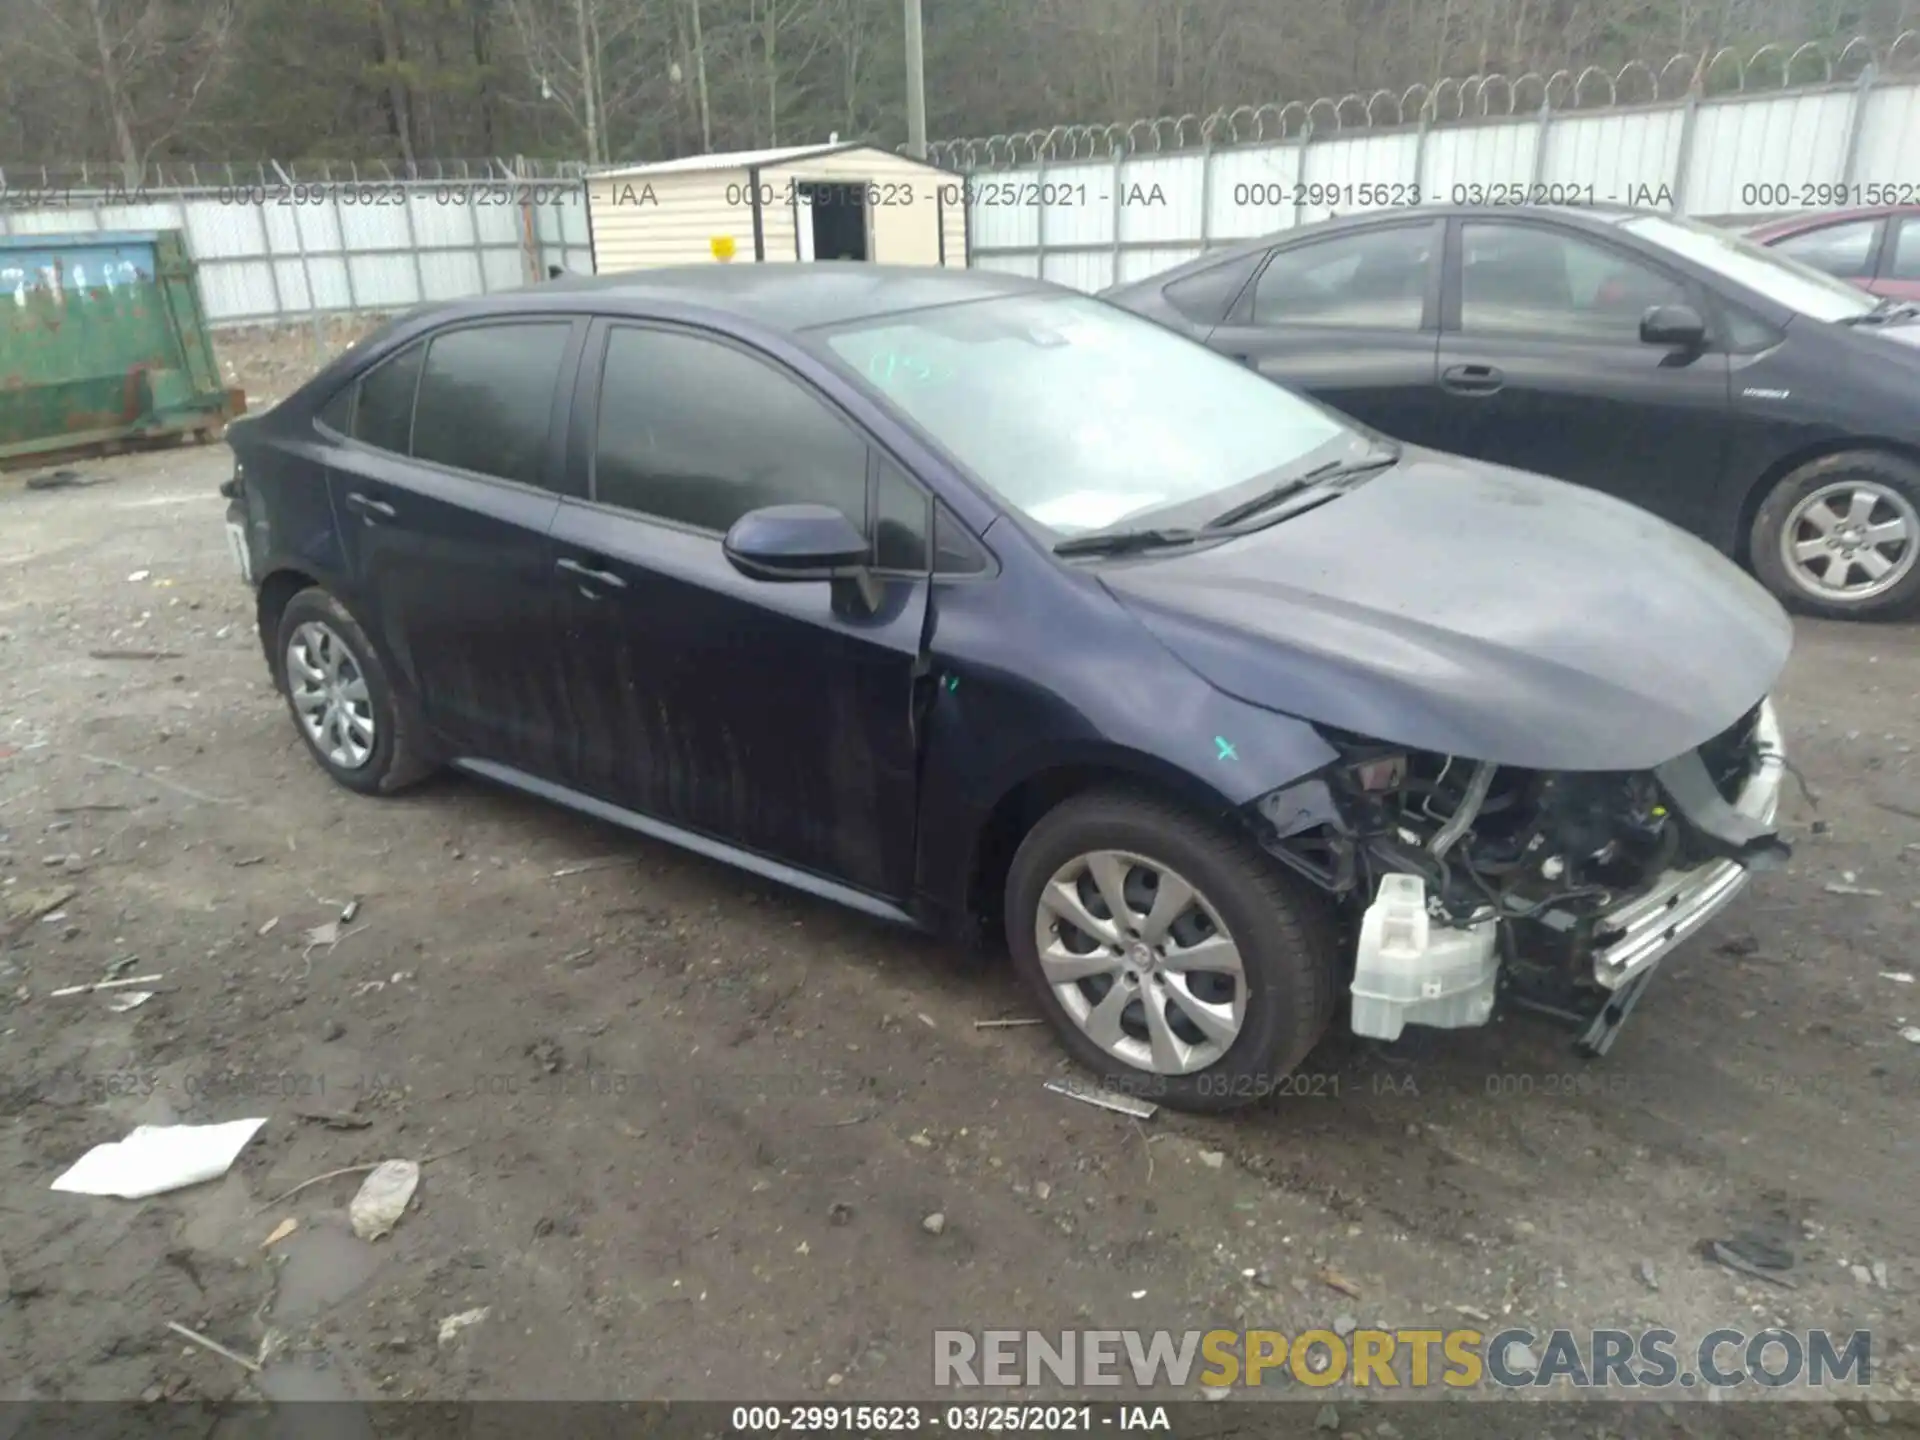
{"x": 1078, "y": 414}
{"x": 1784, "y": 281}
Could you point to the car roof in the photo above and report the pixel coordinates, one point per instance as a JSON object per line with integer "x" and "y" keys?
{"x": 786, "y": 295}
{"x": 1596, "y": 216}
{"x": 1819, "y": 219}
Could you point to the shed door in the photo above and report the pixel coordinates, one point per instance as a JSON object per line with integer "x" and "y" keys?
{"x": 907, "y": 234}
{"x": 803, "y": 221}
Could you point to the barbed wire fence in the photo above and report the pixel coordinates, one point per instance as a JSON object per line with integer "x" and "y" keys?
{"x": 279, "y": 240}
{"x": 1775, "y": 66}
{"x": 200, "y": 176}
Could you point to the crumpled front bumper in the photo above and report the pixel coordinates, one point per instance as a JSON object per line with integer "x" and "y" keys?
{"x": 1640, "y": 932}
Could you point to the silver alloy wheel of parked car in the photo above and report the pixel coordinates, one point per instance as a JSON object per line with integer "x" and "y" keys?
{"x": 1850, "y": 540}
{"x": 330, "y": 695}
{"x": 1141, "y": 961}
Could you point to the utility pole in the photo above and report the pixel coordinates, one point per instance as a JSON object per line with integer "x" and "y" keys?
{"x": 916, "y": 86}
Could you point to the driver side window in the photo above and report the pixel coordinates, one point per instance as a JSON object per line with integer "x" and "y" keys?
{"x": 1527, "y": 280}
{"x": 696, "y": 432}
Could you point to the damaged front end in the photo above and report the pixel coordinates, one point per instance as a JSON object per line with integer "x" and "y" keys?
{"x": 1561, "y": 889}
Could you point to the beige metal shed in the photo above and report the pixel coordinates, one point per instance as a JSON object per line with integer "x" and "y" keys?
{"x": 805, "y": 202}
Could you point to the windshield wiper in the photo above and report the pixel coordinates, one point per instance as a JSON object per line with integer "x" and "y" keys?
{"x": 1886, "y": 312}
{"x": 1319, "y": 475}
{"x": 1119, "y": 542}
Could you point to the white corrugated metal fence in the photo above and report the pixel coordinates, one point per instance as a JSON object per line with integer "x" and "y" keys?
{"x": 1088, "y": 205}
{"x": 1089, "y": 223}
{"x": 274, "y": 251}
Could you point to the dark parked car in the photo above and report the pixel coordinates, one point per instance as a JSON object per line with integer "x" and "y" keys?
{"x": 968, "y": 601}
{"x": 1767, "y": 407}
{"x": 1877, "y": 249}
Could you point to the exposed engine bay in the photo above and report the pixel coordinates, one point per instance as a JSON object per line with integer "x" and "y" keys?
{"x": 1562, "y": 888}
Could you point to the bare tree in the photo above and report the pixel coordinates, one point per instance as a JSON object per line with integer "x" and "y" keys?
{"x": 566, "y": 44}
{"x": 149, "y": 61}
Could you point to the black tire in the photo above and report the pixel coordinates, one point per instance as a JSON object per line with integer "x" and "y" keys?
{"x": 1769, "y": 523}
{"x": 1285, "y": 935}
{"x": 396, "y": 760}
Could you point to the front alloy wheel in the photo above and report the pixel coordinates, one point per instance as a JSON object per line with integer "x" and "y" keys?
{"x": 1172, "y": 957}
{"x": 1140, "y": 960}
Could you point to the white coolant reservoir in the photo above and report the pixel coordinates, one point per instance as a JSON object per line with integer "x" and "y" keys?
{"x": 1411, "y": 971}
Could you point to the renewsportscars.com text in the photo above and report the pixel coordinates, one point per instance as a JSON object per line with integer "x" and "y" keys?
{"x": 1413, "y": 1359}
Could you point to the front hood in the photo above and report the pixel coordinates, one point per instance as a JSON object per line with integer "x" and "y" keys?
{"x": 1476, "y": 611}
{"x": 1906, "y": 332}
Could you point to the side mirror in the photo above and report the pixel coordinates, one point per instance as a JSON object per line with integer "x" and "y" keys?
{"x": 796, "y": 542}
{"x": 1678, "y": 325}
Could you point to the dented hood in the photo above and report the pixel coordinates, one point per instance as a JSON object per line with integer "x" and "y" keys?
{"x": 1907, "y": 333}
{"x": 1452, "y": 606}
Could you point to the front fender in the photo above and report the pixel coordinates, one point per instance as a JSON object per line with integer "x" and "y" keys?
{"x": 993, "y": 740}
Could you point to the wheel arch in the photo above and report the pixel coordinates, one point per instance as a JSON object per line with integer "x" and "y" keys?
{"x": 276, "y": 589}
{"x": 1022, "y": 801}
{"x": 1785, "y": 465}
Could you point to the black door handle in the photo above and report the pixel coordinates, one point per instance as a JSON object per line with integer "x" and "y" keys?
{"x": 369, "y": 507}
{"x": 1473, "y": 379}
{"x": 587, "y": 572}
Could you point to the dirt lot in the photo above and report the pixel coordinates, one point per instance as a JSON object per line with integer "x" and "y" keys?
{"x": 682, "y": 1132}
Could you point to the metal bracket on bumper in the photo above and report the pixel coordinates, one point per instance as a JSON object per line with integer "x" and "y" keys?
{"x": 1640, "y": 933}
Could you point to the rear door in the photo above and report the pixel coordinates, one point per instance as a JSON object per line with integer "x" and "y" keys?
{"x": 1351, "y": 319}
{"x": 444, "y": 495}
{"x": 775, "y": 717}
{"x": 1543, "y": 368}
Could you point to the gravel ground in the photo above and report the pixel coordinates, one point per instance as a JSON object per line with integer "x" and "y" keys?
{"x": 682, "y": 1132}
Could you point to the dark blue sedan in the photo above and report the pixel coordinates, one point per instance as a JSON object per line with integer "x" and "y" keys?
{"x": 984, "y": 606}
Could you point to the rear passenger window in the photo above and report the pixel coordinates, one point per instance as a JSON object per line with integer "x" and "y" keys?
{"x": 486, "y": 399}
{"x": 1204, "y": 297}
{"x": 1374, "y": 280}
{"x": 337, "y": 413}
{"x": 384, "y": 415}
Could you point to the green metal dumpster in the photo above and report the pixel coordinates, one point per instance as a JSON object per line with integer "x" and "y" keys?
{"x": 103, "y": 345}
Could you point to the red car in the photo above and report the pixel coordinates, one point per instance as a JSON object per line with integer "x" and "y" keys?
{"x": 1877, "y": 248}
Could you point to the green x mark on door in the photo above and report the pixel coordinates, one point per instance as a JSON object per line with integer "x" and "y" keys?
{"x": 1227, "y": 752}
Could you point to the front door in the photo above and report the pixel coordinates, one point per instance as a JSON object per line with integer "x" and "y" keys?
{"x": 444, "y": 500}
{"x": 1542, "y": 368}
{"x": 1352, "y": 320}
{"x": 775, "y": 717}
{"x": 1900, "y": 259}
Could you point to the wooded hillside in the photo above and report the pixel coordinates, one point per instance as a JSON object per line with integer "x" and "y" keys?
{"x": 131, "y": 81}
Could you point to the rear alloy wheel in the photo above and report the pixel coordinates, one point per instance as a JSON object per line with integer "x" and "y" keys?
{"x": 1841, "y": 537}
{"x": 342, "y": 703}
{"x": 330, "y": 696}
{"x": 1175, "y": 961}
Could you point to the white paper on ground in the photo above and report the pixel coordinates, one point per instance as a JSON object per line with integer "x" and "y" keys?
{"x": 157, "y": 1158}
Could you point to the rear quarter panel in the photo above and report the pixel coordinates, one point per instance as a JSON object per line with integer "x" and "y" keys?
{"x": 292, "y": 525}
